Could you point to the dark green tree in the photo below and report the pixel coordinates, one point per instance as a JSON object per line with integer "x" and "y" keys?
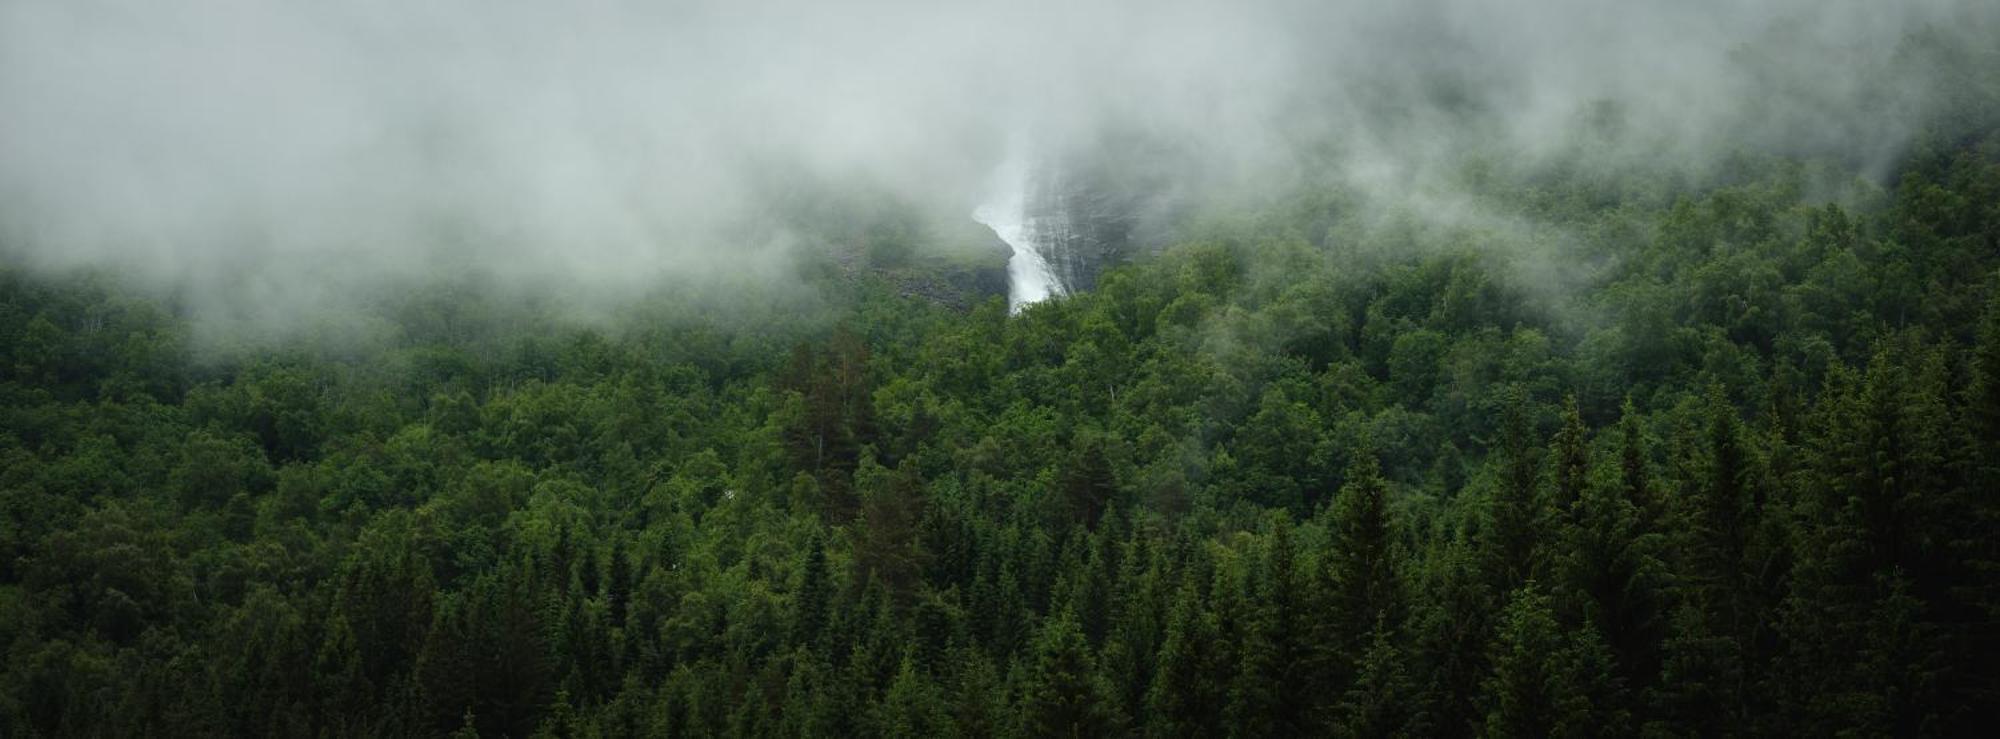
{"x": 1569, "y": 454}
{"x": 1065, "y": 696}
{"x": 812, "y": 595}
{"x": 1546, "y": 682}
{"x": 1188, "y": 692}
{"x": 1379, "y": 700}
{"x": 1517, "y": 513}
{"x": 1363, "y": 590}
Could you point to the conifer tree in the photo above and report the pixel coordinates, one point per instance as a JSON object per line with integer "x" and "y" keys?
{"x": 1721, "y": 521}
{"x": 344, "y": 692}
{"x": 912, "y": 708}
{"x": 810, "y": 599}
{"x": 1378, "y": 702}
{"x": 1519, "y": 696}
{"x": 1360, "y": 579}
{"x": 1088, "y": 483}
{"x": 1187, "y": 695}
{"x": 1635, "y": 479}
{"x": 1969, "y": 523}
{"x": 1516, "y": 514}
{"x": 1983, "y": 393}
{"x": 1065, "y": 696}
{"x": 1452, "y": 631}
{"x": 1701, "y": 684}
{"x": 1613, "y": 581}
{"x": 1548, "y": 682}
{"x": 1591, "y": 697}
{"x": 1272, "y": 695}
{"x": 1570, "y": 455}
{"x": 618, "y": 586}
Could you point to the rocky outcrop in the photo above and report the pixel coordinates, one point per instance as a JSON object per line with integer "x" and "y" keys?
{"x": 952, "y": 265}
{"x": 962, "y": 275}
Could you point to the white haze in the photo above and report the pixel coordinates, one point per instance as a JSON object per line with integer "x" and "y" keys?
{"x": 278, "y": 153}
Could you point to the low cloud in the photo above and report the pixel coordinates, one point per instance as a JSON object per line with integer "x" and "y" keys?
{"x": 283, "y": 151}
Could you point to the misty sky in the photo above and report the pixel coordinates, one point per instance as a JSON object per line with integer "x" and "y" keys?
{"x": 277, "y": 147}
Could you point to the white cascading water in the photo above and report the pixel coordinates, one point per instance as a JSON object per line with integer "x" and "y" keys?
{"x": 1029, "y": 279}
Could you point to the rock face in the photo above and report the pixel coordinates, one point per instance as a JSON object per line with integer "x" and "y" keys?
{"x": 1077, "y": 225}
{"x": 1065, "y": 224}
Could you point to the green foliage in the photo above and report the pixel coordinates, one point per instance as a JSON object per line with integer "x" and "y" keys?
{"x": 1546, "y": 682}
{"x": 1666, "y": 458}
{"x": 1065, "y": 695}
{"x": 1364, "y": 591}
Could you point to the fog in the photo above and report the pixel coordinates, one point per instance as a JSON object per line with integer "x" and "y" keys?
{"x": 276, "y": 154}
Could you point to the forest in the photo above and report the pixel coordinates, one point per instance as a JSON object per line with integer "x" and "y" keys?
{"x": 1310, "y": 472}
{"x": 1451, "y": 371}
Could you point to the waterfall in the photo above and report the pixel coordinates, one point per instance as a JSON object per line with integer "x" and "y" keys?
{"x": 1029, "y": 277}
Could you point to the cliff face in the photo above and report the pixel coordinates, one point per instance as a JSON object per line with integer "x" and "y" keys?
{"x": 1079, "y": 226}
{"x": 1050, "y": 226}
{"x": 1089, "y": 207}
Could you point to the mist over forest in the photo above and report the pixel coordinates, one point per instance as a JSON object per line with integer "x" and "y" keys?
{"x": 268, "y": 158}
{"x": 1087, "y": 368}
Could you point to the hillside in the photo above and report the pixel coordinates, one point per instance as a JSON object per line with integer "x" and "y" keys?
{"x": 1366, "y": 477}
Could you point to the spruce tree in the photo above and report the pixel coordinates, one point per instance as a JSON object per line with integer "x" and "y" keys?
{"x": 1635, "y": 481}
{"x": 1519, "y": 696}
{"x": 1701, "y": 682}
{"x": 1065, "y": 696}
{"x": 1983, "y": 392}
{"x": 1721, "y": 522}
{"x": 1186, "y": 698}
{"x": 1378, "y": 701}
{"x": 618, "y": 586}
{"x": 1516, "y": 513}
{"x": 810, "y": 599}
{"x": 1570, "y": 455}
{"x": 1613, "y": 582}
{"x": 344, "y": 692}
{"x": 1272, "y": 694}
{"x": 912, "y": 708}
{"x": 1451, "y": 632}
{"x": 1360, "y": 579}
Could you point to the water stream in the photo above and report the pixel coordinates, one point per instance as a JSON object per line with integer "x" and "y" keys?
{"x": 1029, "y": 278}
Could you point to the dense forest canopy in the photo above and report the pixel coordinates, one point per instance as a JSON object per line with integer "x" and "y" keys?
{"x": 1556, "y": 442}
